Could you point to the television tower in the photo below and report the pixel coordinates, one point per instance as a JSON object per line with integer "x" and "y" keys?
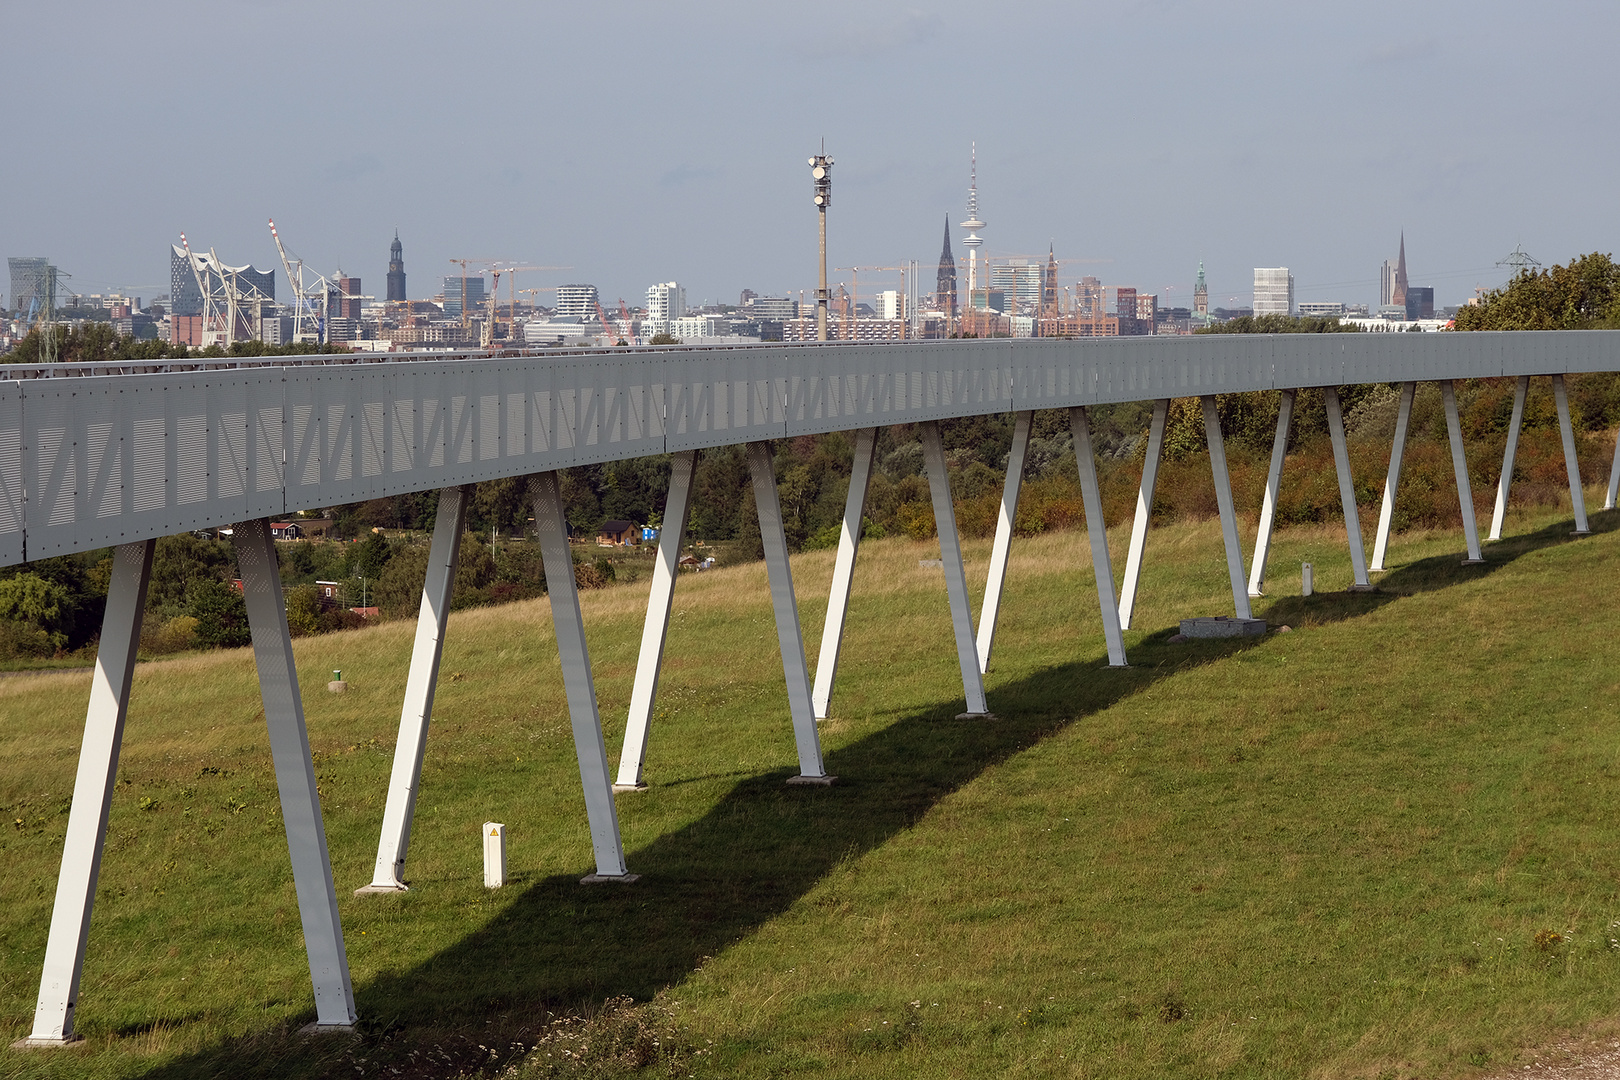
{"x": 973, "y": 225}
{"x": 821, "y": 174}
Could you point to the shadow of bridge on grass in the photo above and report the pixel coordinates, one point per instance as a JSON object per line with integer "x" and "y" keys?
{"x": 563, "y": 947}
{"x": 560, "y": 947}
{"x": 1430, "y": 574}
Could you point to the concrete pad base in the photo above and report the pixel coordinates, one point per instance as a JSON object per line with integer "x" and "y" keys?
{"x": 607, "y": 879}
{"x": 812, "y": 781}
{"x": 640, "y": 785}
{"x": 370, "y": 890}
{"x": 1362, "y": 588}
{"x": 32, "y": 1043}
{"x": 1221, "y": 627}
{"x": 975, "y": 716}
{"x": 337, "y": 686}
{"x": 1473, "y": 562}
{"x": 318, "y": 1028}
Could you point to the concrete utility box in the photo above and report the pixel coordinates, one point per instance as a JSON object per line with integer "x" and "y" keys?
{"x": 1221, "y": 626}
{"x": 494, "y": 854}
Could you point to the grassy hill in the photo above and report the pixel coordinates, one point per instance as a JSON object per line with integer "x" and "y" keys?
{"x": 1381, "y": 845}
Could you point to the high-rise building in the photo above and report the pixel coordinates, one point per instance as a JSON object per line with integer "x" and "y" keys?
{"x": 345, "y": 300}
{"x": 1049, "y": 286}
{"x": 945, "y": 286}
{"x": 1419, "y": 302}
{"x": 665, "y": 301}
{"x": 1273, "y": 291}
{"x": 1201, "y": 294}
{"x": 1386, "y": 283}
{"x": 1022, "y": 280}
{"x": 889, "y": 304}
{"x": 452, "y": 294}
{"x": 396, "y": 270}
{"x": 580, "y": 300}
{"x": 1089, "y": 298}
{"x": 33, "y": 284}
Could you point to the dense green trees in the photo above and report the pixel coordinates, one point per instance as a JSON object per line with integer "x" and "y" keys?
{"x": 1279, "y": 324}
{"x": 1584, "y": 295}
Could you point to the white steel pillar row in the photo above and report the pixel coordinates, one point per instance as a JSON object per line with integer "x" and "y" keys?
{"x": 655, "y": 631}
{"x": 569, "y": 624}
{"x": 1459, "y": 465}
{"x": 1223, "y": 500}
{"x": 295, "y": 774}
{"x": 1614, "y": 477}
{"x": 1505, "y": 483}
{"x": 849, "y": 543}
{"x": 1102, "y": 566}
{"x": 1572, "y": 465}
{"x": 762, "y": 468}
{"x": 950, "y": 553}
{"x": 1392, "y": 483}
{"x": 405, "y": 781}
{"x": 1268, "y": 506}
{"x": 1347, "y": 488}
{"x": 92, "y": 795}
{"x": 1004, "y": 530}
{"x": 1144, "y": 512}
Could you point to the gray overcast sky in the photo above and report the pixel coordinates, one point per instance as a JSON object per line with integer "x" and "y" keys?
{"x": 637, "y": 141}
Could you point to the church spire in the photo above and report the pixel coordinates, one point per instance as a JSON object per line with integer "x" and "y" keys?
{"x": 945, "y": 285}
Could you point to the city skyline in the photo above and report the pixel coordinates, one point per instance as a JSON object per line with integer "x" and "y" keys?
{"x": 1316, "y": 183}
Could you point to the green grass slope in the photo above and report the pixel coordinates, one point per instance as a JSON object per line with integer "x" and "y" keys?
{"x": 1325, "y": 853}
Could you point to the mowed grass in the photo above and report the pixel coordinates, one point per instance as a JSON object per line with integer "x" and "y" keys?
{"x": 1324, "y": 853}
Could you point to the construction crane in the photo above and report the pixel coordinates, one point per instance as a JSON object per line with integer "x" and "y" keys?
{"x": 629, "y": 324}
{"x": 607, "y": 327}
{"x": 479, "y": 261}
{"x": 308, "y": 302}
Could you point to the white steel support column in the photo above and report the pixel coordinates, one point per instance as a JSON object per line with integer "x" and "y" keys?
{"x": 1572, "y": 465}
{"x": 1268, "y": 506}
{"x": 1223, "y": 500}
{"x": 1505, "y": 483}
{"x": 1392, "y": 482}
{"x": 1614, "y": 477}
{"x": 388, "y": 875}
{"x": 655, "y": 631}
{"x": 1144, "y": 512}
{"x": 92, "y": 794}
{"x": 1459, "y": 465}
{"x": 1004, "y": 530}
{"x": 789, "y": 636}
{"x": 295, "y": 774}
{"x": 849, "y": 542}
{"x": 950, "y": 553}
{"x": 1347, "y": 488}
{"x": 1102, "y": 566}
{"x": 569, "y": 624}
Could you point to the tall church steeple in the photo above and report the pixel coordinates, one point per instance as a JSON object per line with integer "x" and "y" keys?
{"x": 1398, "y": 298}
{"x": 396, "y": 270}
{"x": 945, "y": 286}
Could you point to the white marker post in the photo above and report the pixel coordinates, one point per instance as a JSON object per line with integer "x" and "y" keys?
{"x": 494, "y": 854}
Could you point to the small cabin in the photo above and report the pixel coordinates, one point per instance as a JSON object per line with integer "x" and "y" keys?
{"x": 617, "y": 533}
{"x": 286, "y": 530}
{"x": 329, "y": 591}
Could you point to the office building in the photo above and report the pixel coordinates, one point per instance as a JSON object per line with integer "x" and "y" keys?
{"x": 452, "y": 295}
{"x": 580, "y": 300}
{"x": 889, "y": 304}
{"x": 665, "y": 301}
{"x": 396, "y": 270}
{"x": 33, "y": 285}
{"x": 1386, "y": 283}
{"x": 1022, "y": 281}
{"x": 779, "y": 308}
{"x": 1273, "y": 291}
{"x": 1089, "y": 299}
{"x": 1320, "y": 309}
{"x": 1419, "y": 302}
{"x": 344, "y": 302}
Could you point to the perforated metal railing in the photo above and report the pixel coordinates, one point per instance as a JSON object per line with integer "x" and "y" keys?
{"x": 92, "y": 455}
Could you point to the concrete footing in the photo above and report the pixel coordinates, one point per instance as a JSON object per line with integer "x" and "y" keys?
{"x": 610, "y": 879}
{"x": 812, "y": 781}
{"x": 975, "y": 716}
{"x": 372, "y": 890}
{"x": 32, "y": 1043}
{"x": 317, "y": 1028}
{"x": 1221, "y": 626}
{"x": 641, "y": 786}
